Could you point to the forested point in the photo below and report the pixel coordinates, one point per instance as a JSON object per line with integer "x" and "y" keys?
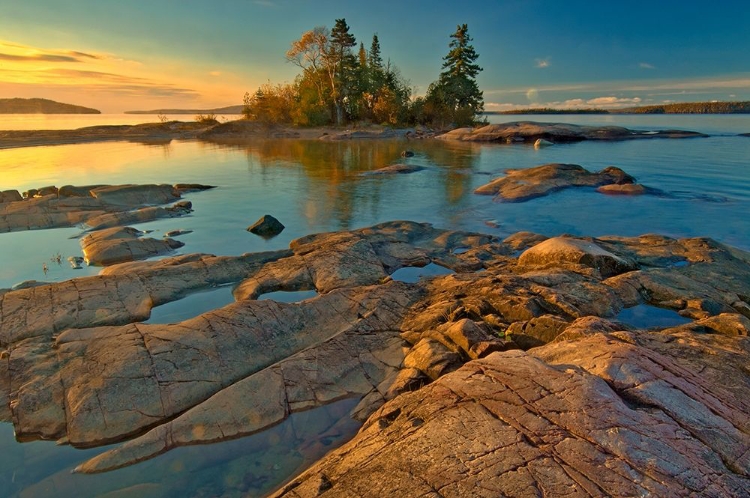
{"x": 690, "y": 108}
{"x": 342, "y": 82}
{"x": 682, "y": 108}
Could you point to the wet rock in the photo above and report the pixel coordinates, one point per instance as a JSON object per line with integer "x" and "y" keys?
{"x": 402, "y": 169}
{"x": 540, "y": 142}
{"x": 120, "y": 244}
{"x": 267, "y": 226}
{"x": 177, "y": 233}
{"x": 624, "y": 189}
{"x": 530, "y": 131}
{"x": 521, "y": 185}
{"x": 407, "y": 153}
{"x": 75, "y": 262}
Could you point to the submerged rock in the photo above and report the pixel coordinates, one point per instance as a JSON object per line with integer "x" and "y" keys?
{"x": 267, "y": 226}
{"x": 396, "y": 169}
{"x": 521, "y": 185}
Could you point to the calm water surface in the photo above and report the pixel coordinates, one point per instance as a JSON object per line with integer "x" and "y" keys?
{"x": 319, "y": 186}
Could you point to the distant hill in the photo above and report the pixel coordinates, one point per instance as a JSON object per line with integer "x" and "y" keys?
{"x": 41, "y": 106}
{"x": 232, "y": 109}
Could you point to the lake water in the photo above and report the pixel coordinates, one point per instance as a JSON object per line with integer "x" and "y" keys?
{"x": 319, "y": 186}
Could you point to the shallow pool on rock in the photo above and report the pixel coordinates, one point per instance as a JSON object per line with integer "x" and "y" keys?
{"x": 192, "y": 305}
{"x": 412, "y": 274}
{"x": 288, "y": 296}
{"x": 645, "y": 316}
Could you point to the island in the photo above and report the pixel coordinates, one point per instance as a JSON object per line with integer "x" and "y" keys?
{"x": 42, "y": 106}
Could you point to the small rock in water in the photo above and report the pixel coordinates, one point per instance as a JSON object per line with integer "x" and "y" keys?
{"x": 75, "y": 262}
{"x": 540, "y": 142}
{"x": 407, "y": 153}
{"x": 267, "y": 226}
{"x": 175, "y": 233}
{"x": 492, "y": 223}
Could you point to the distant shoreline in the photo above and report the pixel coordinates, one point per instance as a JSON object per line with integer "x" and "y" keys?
{"x": 683, "y": 108}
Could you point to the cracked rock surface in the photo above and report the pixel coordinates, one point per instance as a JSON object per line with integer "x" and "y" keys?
{"x": 511, "y": 376}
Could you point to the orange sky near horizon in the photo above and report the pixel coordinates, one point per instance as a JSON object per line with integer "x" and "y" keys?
{"x": 112, "y": 83}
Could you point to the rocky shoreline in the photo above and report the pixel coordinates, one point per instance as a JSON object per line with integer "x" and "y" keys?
{"x": 241, "y": 132}
{"x": 511, "y": 375}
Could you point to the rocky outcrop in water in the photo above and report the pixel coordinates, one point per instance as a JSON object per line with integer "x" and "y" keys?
{"x": 97, "y": 206}
{"x": 530, "y": 132}
{"x": 599, "y": 408}
{"x": 120, "y": 244}
{"x": 521, "y": 185}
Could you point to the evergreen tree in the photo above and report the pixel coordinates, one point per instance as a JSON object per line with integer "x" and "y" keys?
{"x": 375, "y": 59}
{"x": 456, "y": 91}
{"x": 341, "y": 43}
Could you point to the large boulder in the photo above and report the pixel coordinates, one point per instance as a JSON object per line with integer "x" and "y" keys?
{"x": 561, "y": 250}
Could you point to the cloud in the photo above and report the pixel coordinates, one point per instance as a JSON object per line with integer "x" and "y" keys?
{"x": 215, "y": 73}
{"x": 613, "y": 101}
{"x": 15, "y": 52}
{"x": 697, "y": 84}
{"x": 646, "y": 65}
{"x": 542, "y": 63}
{"x": 532, "y": 94}
{"x": 38, "y": 58}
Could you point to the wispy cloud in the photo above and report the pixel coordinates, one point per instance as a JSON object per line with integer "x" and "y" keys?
{"x": 646, "y": 65}
{"x": 214, "y": 73}
{"x": 10, "y": 51}
{"x": 698, "y": 84}
{"x": 542, "y": 63}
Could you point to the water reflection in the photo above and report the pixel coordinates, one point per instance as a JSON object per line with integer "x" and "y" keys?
{"x": 332, "y": 171}
{"x": 249, "y": 466}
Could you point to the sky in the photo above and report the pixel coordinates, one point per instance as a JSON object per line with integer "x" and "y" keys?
{"x": 119, "y": 55}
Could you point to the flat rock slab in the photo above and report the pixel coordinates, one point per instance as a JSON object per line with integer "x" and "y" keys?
{"x": 530, "y": 131}
{"x": 393, "y": 169}
{"x": 120, "y": 244}
{"x": 617, "y": 420}
{"x": 98, "y": 206}
{"x": 521, "y": 185}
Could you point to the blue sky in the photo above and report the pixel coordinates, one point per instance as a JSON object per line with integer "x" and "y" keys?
{"x": 134, "y": 54}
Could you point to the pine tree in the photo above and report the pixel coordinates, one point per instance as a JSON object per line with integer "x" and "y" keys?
{"x": 345, "y": 62}
{"x": 456, "y": 91}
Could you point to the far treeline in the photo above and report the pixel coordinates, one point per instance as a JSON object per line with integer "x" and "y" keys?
{"x": 682, "y": 108}
{"x": 339, "y": 85}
